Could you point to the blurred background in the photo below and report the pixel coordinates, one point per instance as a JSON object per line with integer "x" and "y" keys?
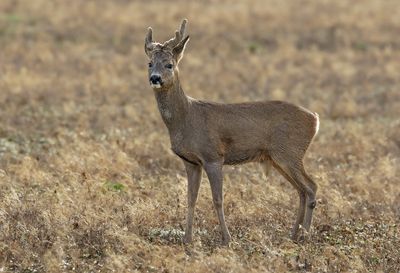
{"x": 87, "y": 179}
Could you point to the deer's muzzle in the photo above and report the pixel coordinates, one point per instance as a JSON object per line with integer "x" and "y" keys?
{"x": 156, "y": 81}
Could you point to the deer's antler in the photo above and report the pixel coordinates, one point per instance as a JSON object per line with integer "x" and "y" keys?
{"x": 171, "y": 43}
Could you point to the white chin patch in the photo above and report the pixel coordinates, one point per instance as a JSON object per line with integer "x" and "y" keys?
{"x": 155, "y": 85}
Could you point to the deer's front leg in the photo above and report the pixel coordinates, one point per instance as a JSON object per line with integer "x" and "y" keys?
{"x": 214, "y": 173}
{"x": 194, "y": 178}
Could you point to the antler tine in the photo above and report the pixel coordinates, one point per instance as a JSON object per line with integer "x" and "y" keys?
{"x": 183, "y": 28}
{"x": 178, "y": 35}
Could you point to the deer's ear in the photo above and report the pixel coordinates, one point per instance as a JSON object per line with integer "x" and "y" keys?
{"x": 147, "y": 50}
{"x": 179, "y": 49}
{"x": 148, "y": 42}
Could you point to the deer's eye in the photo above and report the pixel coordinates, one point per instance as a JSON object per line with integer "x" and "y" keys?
{"x": 150, "y": 65}
{"x": 169, "y": 66}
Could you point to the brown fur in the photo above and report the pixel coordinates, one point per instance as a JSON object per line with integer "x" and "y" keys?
{"x": 208, "y": 135}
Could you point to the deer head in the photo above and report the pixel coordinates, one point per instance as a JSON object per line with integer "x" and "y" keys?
{"x": 164, "y": 58}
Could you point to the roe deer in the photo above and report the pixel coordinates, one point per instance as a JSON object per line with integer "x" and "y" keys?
{"x": 208, "y": 135}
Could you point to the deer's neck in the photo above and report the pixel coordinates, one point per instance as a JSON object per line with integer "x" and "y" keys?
{"x": 173, "y": 105}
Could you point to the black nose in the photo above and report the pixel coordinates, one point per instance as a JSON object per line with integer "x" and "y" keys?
{"x": 155, "y": 79}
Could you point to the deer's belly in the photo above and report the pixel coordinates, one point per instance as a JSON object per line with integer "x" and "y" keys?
{"x": 244, "y": 156}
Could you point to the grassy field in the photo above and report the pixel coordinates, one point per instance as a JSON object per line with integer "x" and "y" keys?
{"x": 88, "y": 182}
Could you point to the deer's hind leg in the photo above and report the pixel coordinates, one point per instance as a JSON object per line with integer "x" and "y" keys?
{"x": 290, "y": 165}
{"x": 295, "y": 169}
{"x": 282, "y": 168}
{"x": 311, "y": 201}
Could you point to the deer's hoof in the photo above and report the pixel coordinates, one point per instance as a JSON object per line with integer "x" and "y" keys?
{"x": 187, "y": 240}
{"x": 226, "y": 240}
{"x": 300, "y": 236}
{"x": 294, "y": 235}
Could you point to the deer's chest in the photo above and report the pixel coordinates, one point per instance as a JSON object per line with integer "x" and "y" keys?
{"x": 184, "y": 148}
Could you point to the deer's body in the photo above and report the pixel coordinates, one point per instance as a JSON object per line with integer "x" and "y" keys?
{"x": 208, "y": 135}
{"x": 238, "y": 133}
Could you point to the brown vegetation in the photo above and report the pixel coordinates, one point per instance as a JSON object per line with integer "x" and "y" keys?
{"x": 87, "y": 179}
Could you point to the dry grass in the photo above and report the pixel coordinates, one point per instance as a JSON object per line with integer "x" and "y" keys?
{"x": 87, "y": 179}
